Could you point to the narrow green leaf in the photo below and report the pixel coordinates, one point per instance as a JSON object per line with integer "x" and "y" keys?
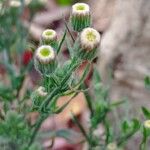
{"x": 75, "y": 120}
{"x": 96, "y": 76}
{"x": 146, "y": 112}
{"x": 70, "y": 48}
{"x": 115, "y": 104}
{"x": 84, "y": 75}
{"x": 130, "y": 129}
{"x": 66, "y": 25}
{"x": 147, "y": 82}
{"x": 60, "y": 109}
{"x": 61, "y": 42}
{"x": 125, "y": 126}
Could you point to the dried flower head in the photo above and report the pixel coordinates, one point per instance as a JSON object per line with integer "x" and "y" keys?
{"x": 49, "y": 36}
{"x": 80, "y": 17}
{"x": 45, "y": 54}
{"x": 41, "y": 91}
{"x": 89, "y": 39}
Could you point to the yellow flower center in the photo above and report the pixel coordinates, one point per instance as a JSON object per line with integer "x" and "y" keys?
{"x": 45, "y": 52}
{"x": 80, "y": 7}
{"x": 48, "y": 33}
{"x": 90, "y": 36}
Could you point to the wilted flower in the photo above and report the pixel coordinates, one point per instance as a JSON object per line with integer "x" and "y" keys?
{"x": 45, "y": 61}
{"x": 80, "y": 17}
{"x": 41, "y": 91}
{"x": 37, "y": 96}
{"x": 49, "y": 37}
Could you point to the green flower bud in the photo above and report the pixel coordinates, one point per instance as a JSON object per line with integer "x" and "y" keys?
{"x": 45, "y": 60}
{"x": 37, "y": 96}
{"x": 49, "y": 37}
{"x": 89, "y": 42}
{"x": 80, "y": 16}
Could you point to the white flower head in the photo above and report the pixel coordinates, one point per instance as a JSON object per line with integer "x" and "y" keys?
{"x": 41, "y": 91}
{"x": 27, "y": 2}
{"x": 80, "y": 9}
{"x": 49, "y": 34}
{"x": 15, "y": 3}
{"x": 45, "y": 54}
{"x": 112, "y": 146}
{"x": 147, "y": 124}
{"x": 89, "y": 38}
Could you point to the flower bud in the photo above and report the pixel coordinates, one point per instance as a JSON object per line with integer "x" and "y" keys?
{"x": 89, "y": 42}
{"x": 80, "y": 16}
{"x": 49, "y": 37}
{"x": 45, "y": 60}
{"x": 37, "y": 96}
{"x": 41, "y": 92}
{"x": 15, "y": 3}
{"x": 112, "y": 146}
{"x": 147, "y": 127}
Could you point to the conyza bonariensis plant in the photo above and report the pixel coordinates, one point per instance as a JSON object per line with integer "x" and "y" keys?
{"x": 59, "y": 79}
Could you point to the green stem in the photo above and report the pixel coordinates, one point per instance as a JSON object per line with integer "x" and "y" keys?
{"x": 107, "y": 130}
{"x": 38, "y": 125}
{"x": 89, "y": 103}
{"x": 47, "y": 100}
{"x": 143, "y": 143}
{"x": 57, "y": 89}
{"x": 81, "y": 129}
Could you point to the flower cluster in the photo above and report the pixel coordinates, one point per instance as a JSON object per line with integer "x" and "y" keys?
{"x": 89, "y": 38}
{"x": 80, "y": 16}
{"x": 58, "y": 78}
{"x": 88, "y": 41}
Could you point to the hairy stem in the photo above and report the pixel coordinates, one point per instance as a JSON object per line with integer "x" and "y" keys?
{"x": 48, "y": 99}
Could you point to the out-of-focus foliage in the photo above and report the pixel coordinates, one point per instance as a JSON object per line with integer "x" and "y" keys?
{"x": 64, "y": 2}
{"x": 11, "y": 28}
